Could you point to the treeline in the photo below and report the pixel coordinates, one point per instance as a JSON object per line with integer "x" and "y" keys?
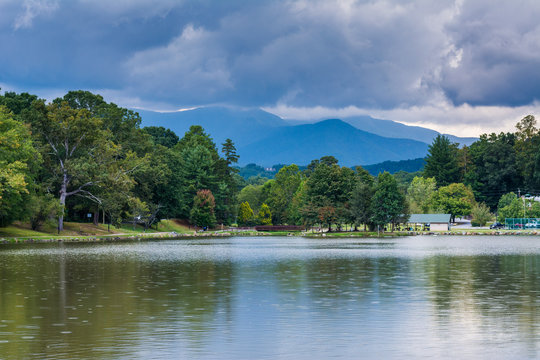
{"x": 80, "y": 155}
{"x": 478, "y": 180}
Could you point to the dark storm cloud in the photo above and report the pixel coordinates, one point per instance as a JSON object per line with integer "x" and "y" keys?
{"x": 500, "y": 41}
{"x": 383, "y": 54}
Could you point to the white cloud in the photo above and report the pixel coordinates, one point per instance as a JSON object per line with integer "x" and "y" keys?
{"x": 463, "y": 120}
{"x": 33, "y": 9}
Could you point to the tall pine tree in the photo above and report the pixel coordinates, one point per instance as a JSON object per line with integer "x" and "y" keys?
{"x": 441, "y": 161}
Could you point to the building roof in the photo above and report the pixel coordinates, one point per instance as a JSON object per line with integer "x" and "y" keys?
{"x": 429, "y": 218}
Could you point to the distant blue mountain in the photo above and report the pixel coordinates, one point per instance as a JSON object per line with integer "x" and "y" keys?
{"x": 242, "y": 126}
{"x": 266, "y": 139}
{"x": 392, "y": 129}
{"x": 302, "y": 143}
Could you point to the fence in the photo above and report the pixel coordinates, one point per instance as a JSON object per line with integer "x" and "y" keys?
{"x": 521, "y": 223}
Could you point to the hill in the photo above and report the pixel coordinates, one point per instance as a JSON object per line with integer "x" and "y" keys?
{"x": 266, "y": 139}
{"x": 392, "y": 129}
{"x": 242, "y": 126}
{"x": 302, "y": 143}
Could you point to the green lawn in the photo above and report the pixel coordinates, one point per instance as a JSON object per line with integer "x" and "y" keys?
{"x": 23, "y": 230}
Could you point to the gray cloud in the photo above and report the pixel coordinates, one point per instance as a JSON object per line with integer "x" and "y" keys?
{"x": 500, "y": 41}
{"x": 302, "y": 54}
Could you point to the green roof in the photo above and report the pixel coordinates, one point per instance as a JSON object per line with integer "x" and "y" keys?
{"x": 429, "y": 218}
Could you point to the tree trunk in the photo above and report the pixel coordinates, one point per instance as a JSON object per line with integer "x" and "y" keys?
{"x": 63, "y": 194}
{"x": 96, "y": 217}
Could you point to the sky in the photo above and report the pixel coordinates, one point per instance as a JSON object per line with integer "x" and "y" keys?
{"x": 463, "y": 67}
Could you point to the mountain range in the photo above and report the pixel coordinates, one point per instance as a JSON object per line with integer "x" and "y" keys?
{"x": 266, "y": 139}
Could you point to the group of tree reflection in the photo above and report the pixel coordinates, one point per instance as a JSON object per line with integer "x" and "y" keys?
{"x": 98, "y": 298}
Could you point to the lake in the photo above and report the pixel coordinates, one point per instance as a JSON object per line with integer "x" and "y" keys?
{"x": 273, "y": 298}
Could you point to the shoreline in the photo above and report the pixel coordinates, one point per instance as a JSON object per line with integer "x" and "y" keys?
{"x": 174, "y": 236}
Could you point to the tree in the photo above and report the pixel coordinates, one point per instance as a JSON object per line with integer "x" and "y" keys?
{"x": 480, "y": 214}
{"x": 252, "y": 194}
{"x": 42, "y": 208}
{"x": 202, "y": 213}
{"x": 16, "y": 103}
{"x": 203, "y": 168}
{"x": 78, "y": 152}
{"x": 361, "y": 198}
{"x": 388, "y": 203}
{"x": 197, "y": 172}
{"x": 515, "y": 209}
{"x": 162, "y": 136}
{"x": 329, "y": 186}
{"x": 229, "y": 150}
{"x": 245, "y": 214}
{"x": 441, "y": 161}
{"x": 18, "y": 162}
{"x": 419, "y": 194}
{"x": 137, "y": 210}
{"x": 282, "y": 191}
{"x": 506, "y": 200}
{"x": 265, "y": 215}
{"x": 455, "y": 199}
{"x": 494, "y": 167}
{"x": 361, "y": 208}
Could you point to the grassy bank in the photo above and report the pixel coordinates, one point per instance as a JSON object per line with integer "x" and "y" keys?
{"x": 18, "y": 231}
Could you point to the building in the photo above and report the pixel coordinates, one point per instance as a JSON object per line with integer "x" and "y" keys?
{"x": 432, "y": 222}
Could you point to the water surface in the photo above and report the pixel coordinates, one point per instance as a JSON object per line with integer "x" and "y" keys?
{"x": 272, "y": 298}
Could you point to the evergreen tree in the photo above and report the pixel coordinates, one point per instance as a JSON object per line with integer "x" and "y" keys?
{"x": 388, "y": 203}
{"x": 229, "y": 150}
{"x": 441, "y": 161}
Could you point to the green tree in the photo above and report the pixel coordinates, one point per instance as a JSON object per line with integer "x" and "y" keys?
{"x": 419, "y": 194}
{"x": 494, "y": 167}
{"x": 245, "y": 214}
{"x": 455, "y": 199}
{"x": 162, "y": 136}
{"x": 361, "y": 198}
{"x": 42, "y": 208}
{"x": 388, "y": 204}
{"x": 329, "y": 189}
{"x": 281, "y": 193}
{"x": 480, "y": 214}
{"x": 252, "y": 194}
{"x": 202, "y": 213}
{"x": 265, "y": 215}
{"x": 203, "y": 168}
{"x": 16, "y": 103}
{"x": 18, "y": 162}
{"x": 197, "y": 172}
{"x": 517, "y": 208}
{"x": 77, "y": 150}
{"x": 442, "y": 161}
{"x": 506, "y": 200}
{"x": 229, "y": 150}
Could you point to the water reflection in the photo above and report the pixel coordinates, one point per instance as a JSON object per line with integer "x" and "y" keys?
{"x": 272, "y": 298}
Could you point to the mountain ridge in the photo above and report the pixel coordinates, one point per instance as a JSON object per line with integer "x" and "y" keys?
{"x": 264, "y": 138}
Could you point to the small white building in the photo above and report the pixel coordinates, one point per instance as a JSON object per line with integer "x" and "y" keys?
{"x": 436, "y": 222}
